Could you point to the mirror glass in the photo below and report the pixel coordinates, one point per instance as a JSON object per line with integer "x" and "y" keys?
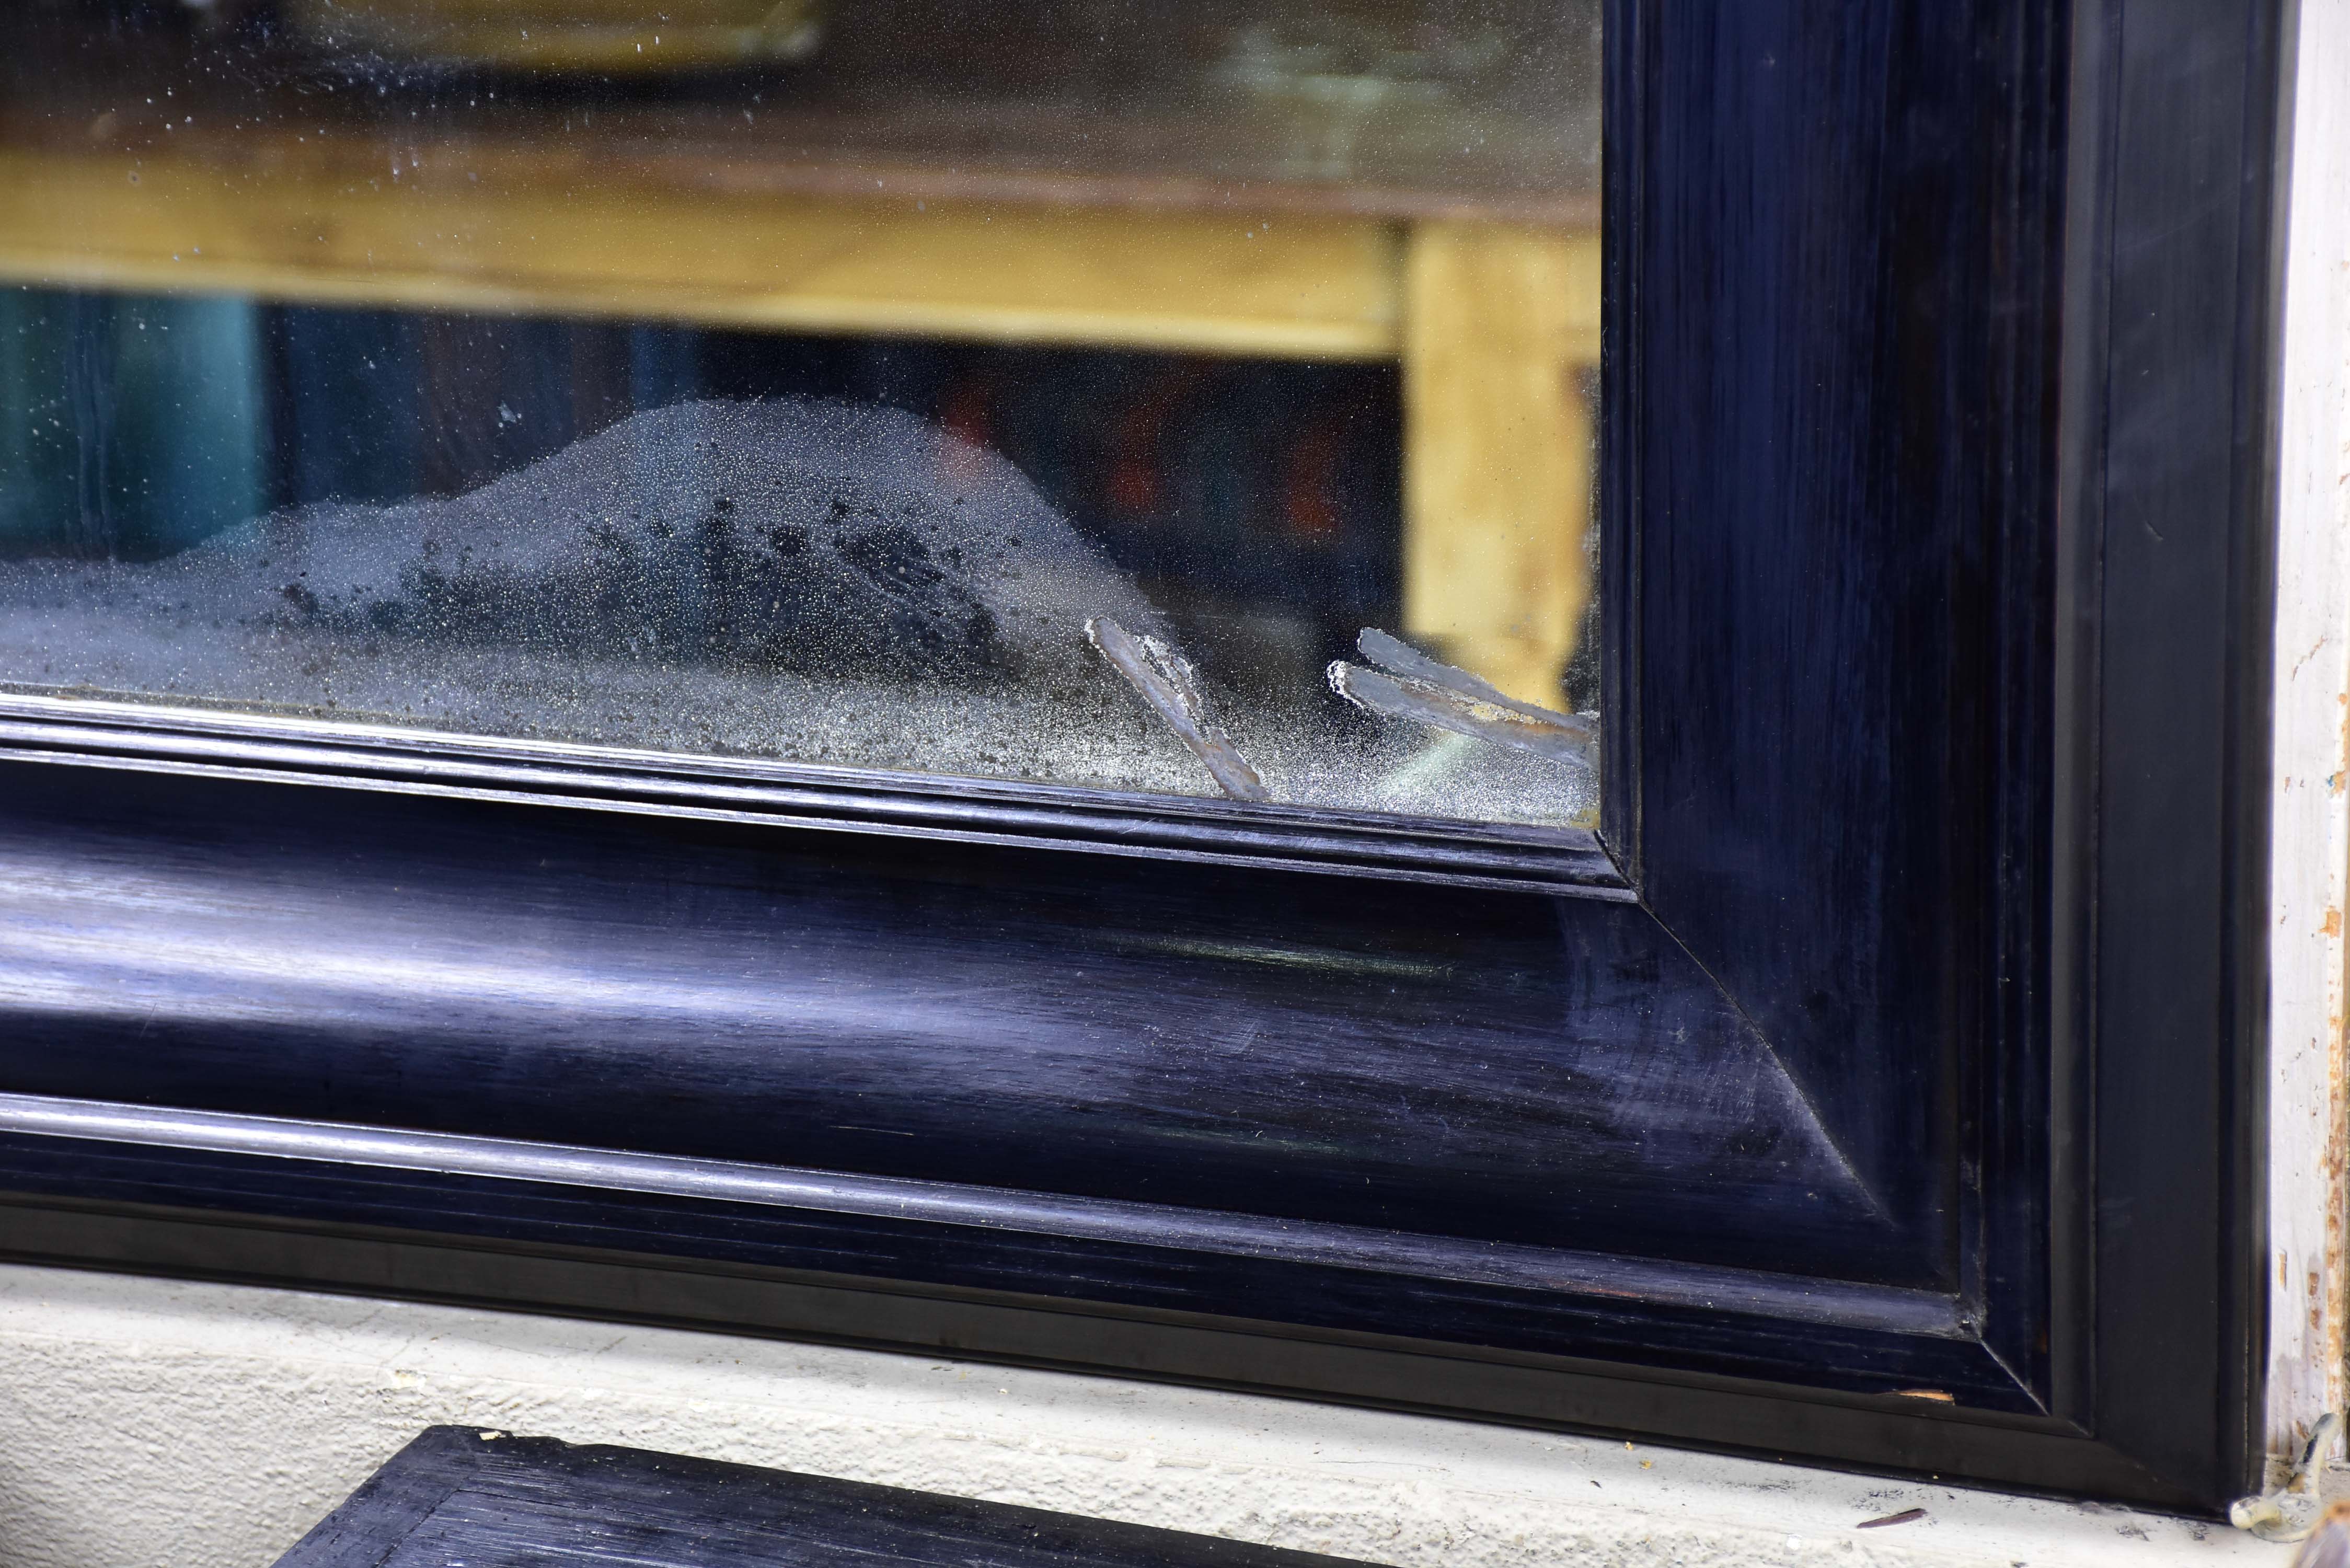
{"x": 1189, "y": 399}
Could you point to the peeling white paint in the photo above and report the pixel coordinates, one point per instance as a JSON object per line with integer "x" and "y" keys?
{"x": 2309, "y": 874}
{"x": 153, "y": 1424}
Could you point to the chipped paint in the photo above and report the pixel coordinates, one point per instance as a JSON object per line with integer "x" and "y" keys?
{"x": 2309, "y": 871}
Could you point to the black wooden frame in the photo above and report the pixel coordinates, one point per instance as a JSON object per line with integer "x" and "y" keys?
{"x": 1937, "y": 589}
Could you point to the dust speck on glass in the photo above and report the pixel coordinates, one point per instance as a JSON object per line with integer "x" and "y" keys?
{"x": 1190, "y": 399}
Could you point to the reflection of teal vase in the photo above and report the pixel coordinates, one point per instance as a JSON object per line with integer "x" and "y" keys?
{"x": 37, "y": 464}
{"x": 129, "y": 426}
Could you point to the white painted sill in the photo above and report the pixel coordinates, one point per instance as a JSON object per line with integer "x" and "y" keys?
{"x": 154, "y": 1424}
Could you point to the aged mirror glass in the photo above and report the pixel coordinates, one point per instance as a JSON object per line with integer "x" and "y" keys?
{"x": 1190, "y": 400}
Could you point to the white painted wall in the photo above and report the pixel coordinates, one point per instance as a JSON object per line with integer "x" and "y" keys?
{"x": 2309, "y": 807}
{"x": 150, "y": 1424}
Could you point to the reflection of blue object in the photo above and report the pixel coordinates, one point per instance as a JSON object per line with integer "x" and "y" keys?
{"x": 663, "y": 367}
{"x": 347, "y": 424}
{"x": 38, "y": 466}
{"x": 129, "y": 427}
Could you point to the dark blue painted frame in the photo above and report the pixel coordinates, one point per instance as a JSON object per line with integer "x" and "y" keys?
{"x": 1880, "y": 1085}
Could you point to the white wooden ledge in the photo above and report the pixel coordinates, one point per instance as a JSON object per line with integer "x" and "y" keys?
{"x": 150, "y": 1422}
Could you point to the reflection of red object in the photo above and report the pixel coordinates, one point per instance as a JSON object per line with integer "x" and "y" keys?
{"x": 1309, "y": 479}
{"x": 1136, "y": 482}
{"x": 968, "y": 414}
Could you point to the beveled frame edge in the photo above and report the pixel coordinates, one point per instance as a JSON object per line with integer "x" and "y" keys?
{"x": 152, "y": 736}
{"x": 2160, "y": 1087}
{"x": 1618, "y": 487}
{"x": 2252, "y": 731}
{"x": 1788, "y": 1299}
{"x": 2205, "y": 931}
{"x": 2012, "y": 1061}
{"x": 1307, "y": 1281}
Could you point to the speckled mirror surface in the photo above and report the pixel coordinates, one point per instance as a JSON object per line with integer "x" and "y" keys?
{"x": 1193, "y": 401}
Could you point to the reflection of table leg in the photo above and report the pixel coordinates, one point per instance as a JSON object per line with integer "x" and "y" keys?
{"x": 1498, "y": 324}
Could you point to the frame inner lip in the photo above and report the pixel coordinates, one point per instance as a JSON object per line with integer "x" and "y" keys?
{"x": 165, "y": 736}
{"x": 1557, "y": 1270}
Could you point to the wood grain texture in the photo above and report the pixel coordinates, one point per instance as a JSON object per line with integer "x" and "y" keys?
{"x": 1948, "y": 767}
{"x": 493, "y": 1500}
{"x": 847, "y": 1198}
{"x": 1001, "y": 1291}
{"x": 1498, "y": 325}
{"x": 1826, "y": 567}
{"x": 1939, "y": 633}
{"x": 467, "y": 228}
{"x": 2184, "y": 505}
{"x": 1534, "y": 1071}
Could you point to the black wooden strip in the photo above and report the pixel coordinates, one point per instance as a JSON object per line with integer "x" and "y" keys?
{"x": 2183, "y": 656}
{"x": 506, "y": 1501}
{"x": 370, "y": 1524}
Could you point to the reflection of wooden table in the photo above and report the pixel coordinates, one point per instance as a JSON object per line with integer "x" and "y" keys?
{"x": 827, "y": 211}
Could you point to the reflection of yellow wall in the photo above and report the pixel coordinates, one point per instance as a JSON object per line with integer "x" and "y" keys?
{"x": 1499, "y": 325}
{"x": 490, "y": 229}
{"x": 1493, "y": 324}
